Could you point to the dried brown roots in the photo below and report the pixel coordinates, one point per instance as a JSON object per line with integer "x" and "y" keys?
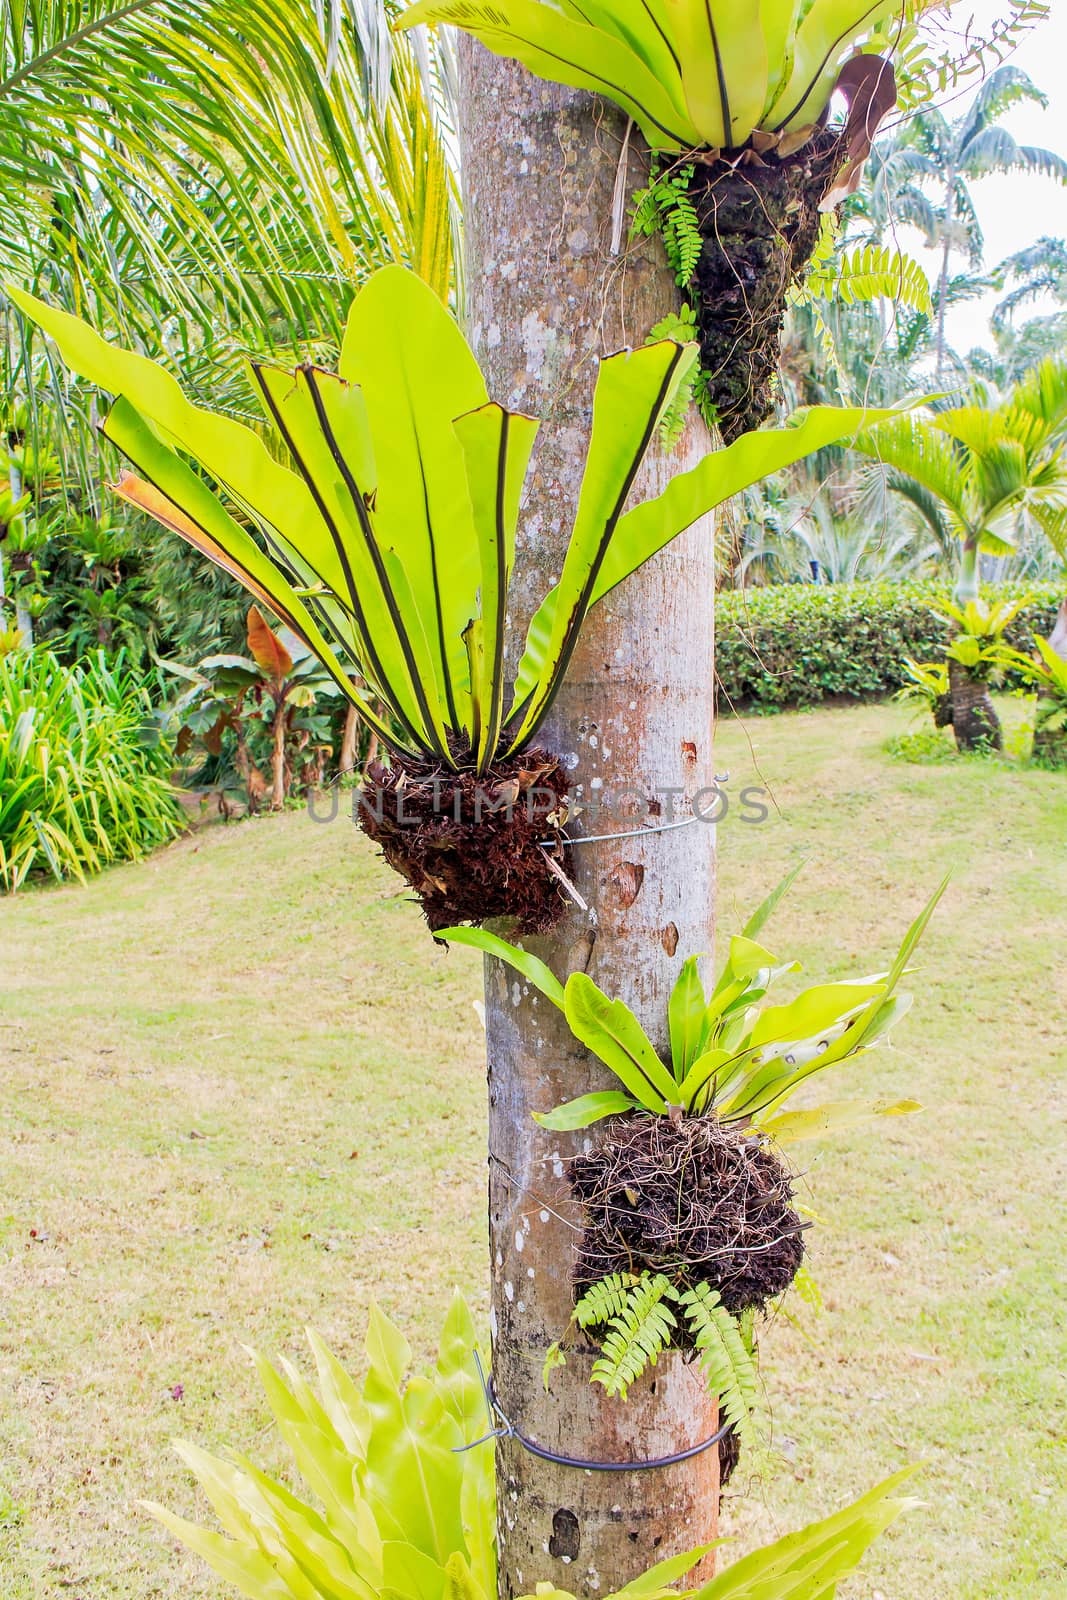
{"x": 697, "y": 1201}
{"x": 470, "y": 847}
{"x": 760, "y": 223}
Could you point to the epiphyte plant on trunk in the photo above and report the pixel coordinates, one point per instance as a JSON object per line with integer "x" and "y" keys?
{"x": 735, "y": 95}
{"x": 687, "y": 1202}
{"x": 388, "y": 545}
{"x": 403, "y": 1507}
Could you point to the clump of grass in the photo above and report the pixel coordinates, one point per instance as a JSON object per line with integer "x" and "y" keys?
{"x": 84, "y": 772}
{"x": 927, "y": 745}
{"x": 923, "y": 745}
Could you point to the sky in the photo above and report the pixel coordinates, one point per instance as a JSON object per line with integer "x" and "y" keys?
{"x": 1014, "y": 211}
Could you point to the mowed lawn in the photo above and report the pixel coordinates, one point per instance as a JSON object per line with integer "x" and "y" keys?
{"x": 240, "y": 1092}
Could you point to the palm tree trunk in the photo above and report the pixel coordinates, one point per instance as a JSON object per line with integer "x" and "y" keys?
{"x": 974, "y": 719}
{"x": 545, "y": 297}
{"x": 967, "y": 585}
{"x": 943, "y": 278}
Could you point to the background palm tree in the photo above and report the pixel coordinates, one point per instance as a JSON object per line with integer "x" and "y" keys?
{"x": 960, "y": 151}
{"x": 1031, "y": 274}
{"x": 210, "y": 179}
{"x": 980, "y": 475}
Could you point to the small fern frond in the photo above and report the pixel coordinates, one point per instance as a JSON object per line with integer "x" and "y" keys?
{"x": 727, "y": 1364}
{"x": 646, "y": 212}
{"x": 605, "y": 1299}
{"x": 637, "y": 1335}
{"x": 871, "y": 272}
{"x": 828, "y": 345}
{"x": 875, "y": 272}
{"x": 664, "y": 207}
{"x": 681, "y": 326}
{"x": 808, "y": 1289}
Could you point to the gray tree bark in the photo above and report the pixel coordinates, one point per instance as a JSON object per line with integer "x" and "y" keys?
{"x": 546, "y": 297}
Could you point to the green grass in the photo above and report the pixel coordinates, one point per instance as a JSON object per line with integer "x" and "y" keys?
{"x": 241, "y": 1092}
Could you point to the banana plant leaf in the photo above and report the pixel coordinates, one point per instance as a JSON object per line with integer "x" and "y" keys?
{"x": 386, "y": 541}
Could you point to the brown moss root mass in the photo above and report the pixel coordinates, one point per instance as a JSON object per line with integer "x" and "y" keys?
{"x": 697, "y": 1201}
{"x": 760, "y": 226}
{"x": 472, "y": 847}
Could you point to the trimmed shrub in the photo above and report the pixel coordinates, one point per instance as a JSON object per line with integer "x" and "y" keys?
{"x": 84, "y": 776}
{"x": 799, "y": 644}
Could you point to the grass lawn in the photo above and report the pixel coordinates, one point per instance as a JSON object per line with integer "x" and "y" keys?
{"x": 240, "y": 1092}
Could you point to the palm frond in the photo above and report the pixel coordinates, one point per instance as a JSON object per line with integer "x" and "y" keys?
{"x": 215, "y": 161}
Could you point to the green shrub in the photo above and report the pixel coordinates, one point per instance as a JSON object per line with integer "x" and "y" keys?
{"x": 84, "y": 776}
{"x": 799, "y": 644}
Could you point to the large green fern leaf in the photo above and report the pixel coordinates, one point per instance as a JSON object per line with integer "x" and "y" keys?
{"x": 605, "y": 1300}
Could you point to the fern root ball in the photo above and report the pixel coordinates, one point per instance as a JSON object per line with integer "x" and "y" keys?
{"x": 473, "y": 848}
{"x": 759, "y": 220}
{"x": 697, "y": 1201}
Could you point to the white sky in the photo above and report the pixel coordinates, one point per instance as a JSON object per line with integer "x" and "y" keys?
{"x": 1014, "y": 211}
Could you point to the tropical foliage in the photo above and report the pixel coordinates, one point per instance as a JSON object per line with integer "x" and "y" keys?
{"x": 402, "y": 1504}
{"x": 206, "y": 179}
{"x": 387, "y": 547}
{"x": 927, "y": 684}
{"x": 953, "y": 154}
{"x": 84, "y": 773}
{"x": 1046, "y": 673}
{"x": 256, "y": 711}
{"x": 978, "y": 472}
{"x": 978, "y": 630}
{"x": 730, "y": 1056}
{"x": 793, "y": 644}
{"x": 188, "y": 168}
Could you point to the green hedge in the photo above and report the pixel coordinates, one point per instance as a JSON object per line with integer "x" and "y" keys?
{"x": 798, "y": 644}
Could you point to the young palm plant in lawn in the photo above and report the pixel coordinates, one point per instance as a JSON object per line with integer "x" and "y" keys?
{"x": 402, "y": 1506}
{"x": 973, "y": 473}
{"x": 734, "y": 96}
{"x": 387, "y": 547}
{"x": 975, "y": 660}
{"x": 1045, "y": 672}
{"x": 689, "y": 1222}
